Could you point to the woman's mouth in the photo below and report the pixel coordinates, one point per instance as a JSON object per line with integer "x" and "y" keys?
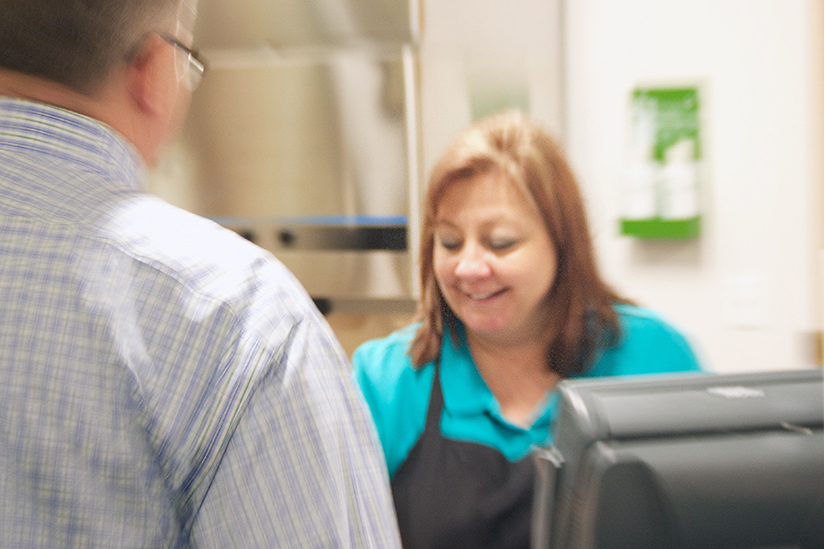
{"x": 483, "y": 296}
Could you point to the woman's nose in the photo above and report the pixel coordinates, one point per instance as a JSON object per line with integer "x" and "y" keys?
{"x": 472, "y": 263}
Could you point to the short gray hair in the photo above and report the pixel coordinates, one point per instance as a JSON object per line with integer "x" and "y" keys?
{"x": 76, "y": 43}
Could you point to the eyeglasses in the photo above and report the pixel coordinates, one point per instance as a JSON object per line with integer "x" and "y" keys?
{"x": 196, "y": 65}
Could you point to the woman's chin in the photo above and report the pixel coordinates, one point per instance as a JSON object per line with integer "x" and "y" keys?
{"x": 486, "y": 326}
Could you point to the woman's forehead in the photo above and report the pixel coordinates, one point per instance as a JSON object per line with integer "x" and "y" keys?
{"x": 485, "y": 196}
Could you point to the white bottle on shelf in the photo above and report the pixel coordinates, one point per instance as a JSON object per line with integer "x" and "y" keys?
{"x": 678, "y": 182}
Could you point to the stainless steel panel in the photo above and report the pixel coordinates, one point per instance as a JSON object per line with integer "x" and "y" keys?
{"x": 312, "y": 136}
{"x": 361, "y": 237}
{"x": 279, "y": 23}
{"x": 303, "y": 138}
{"x": 307, "y": 154}
{"x": 332, "y": 271}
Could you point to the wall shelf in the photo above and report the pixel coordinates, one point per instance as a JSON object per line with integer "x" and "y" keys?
{"x": 662, "y": 228}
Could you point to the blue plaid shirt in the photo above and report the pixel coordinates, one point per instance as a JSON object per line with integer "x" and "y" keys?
{"x": 163, "y": 383}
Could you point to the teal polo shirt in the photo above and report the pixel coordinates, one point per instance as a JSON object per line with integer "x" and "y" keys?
{"x": 398, "y": 394}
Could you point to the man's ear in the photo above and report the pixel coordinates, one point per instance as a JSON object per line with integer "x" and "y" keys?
{"x": 150, "y": 78}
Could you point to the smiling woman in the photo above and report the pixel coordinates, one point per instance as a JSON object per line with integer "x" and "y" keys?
{"x": 512, "y": 303}
{"x": 494, "y": 260}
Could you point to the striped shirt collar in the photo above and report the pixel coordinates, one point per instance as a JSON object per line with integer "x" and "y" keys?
{"x": 74, "y": 138}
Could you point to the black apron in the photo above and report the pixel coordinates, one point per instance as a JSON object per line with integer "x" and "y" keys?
{"x": 452, "y": 495}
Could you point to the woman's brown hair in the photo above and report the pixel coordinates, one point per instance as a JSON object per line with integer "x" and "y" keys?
{"x": 580, "y": 304}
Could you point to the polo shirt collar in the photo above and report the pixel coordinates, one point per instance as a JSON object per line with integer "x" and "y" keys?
{"x": 465, "y": 392}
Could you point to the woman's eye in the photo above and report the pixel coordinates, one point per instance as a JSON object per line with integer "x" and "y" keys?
{"x": 501, "y": 243}
{"x": 449, "y": 243}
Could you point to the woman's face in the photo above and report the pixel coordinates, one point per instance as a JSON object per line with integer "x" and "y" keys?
{"x": 494, "y": 260}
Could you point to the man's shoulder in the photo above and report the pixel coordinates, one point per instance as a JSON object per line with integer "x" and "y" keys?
{"x": 146, "y": 224}
{"x": 181, "y": 243}
{"x": 199, "y": 261}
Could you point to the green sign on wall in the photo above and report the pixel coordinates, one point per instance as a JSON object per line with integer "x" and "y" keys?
{"x": 661, "y": 195}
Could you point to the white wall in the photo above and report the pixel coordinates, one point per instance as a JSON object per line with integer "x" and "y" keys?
{"x": 746, "y": 292}
{"x": 472, "y": 48}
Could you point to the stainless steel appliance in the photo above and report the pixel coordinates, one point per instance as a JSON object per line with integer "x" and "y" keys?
{"x": 304, "y": 139}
